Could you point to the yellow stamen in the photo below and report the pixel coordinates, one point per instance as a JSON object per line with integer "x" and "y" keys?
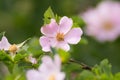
{"x": 108, "y": 26}
{"x": 13, "y": 48}
{"x": 60, "y": 37}
{"x": 52, "y": 77}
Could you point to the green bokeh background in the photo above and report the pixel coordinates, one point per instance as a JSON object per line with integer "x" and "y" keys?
{"x": 21, "y": 19}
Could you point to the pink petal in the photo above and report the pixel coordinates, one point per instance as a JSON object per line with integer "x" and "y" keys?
{"x": 65, "y": 24}
{"x": 51, "y": 29}
{"x": 48, "y": 64}
{"x": 34, "y": 75}
{"x": 32, "y": 60}
{"x": 57, "y": 61}
{"x": 43, "y": 68}
{"x": 74, "y": 36}
{"x": 60, "y": 76}
{"x": 91, "y": 17}
{"x": 111, "y": 7}
{"x": 46, "y": 43}
{"x": 47, "y": 60}
{"x": 4, "y": 44}
{"x": 63, "y": 45}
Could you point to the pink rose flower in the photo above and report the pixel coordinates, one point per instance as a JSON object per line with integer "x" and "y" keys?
{"x": 12, "y": 48}
{"x": 59, "y": 35}
{"x": 103, "y": 22}
{"x": 48, "y": 70}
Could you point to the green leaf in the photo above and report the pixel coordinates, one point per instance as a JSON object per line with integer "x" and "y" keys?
{"x": 5, "y": 56}
{"x": 103, "y": 70}
{"x": 117, "y": 76}
{"x": 77, "y": 21}
{"x": 7, "y": 60}
{"x": 86, "y": 75}
{"x": 83, "y": 41}
{"x": 19, "y": 57}
{"x": 34, "y": 47}
{"x": 65, "y": 56}
{"x": 17, "y": 74}
{"x": 71, "y": 69}
{"x": 25, "y": 65}
{"x": 57, "y": 18}
{"x": 106, "y": 67}
{"x": 2, "y": 34}
{"x": 10, "y": 65}
{"x": 53, "y": 50}
{"x": 48, "y": 15}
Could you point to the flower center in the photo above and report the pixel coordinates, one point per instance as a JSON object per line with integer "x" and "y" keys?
{"x": 13, "y": 48}
{"x": 60, "y": 37}
{"x": 108, "y": 26}
{"x": 52, "y": 77}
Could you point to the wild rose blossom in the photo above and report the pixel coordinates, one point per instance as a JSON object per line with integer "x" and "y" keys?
{"x": 5, "y": 45}
{"x": 48, "y": 70}
{"x": 59, "y": 35}
{"x": 103, "y": 22}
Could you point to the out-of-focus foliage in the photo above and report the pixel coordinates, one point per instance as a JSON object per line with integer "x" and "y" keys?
{"x": 99, "y": 72}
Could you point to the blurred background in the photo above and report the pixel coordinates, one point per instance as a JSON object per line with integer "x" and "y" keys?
{"x": 21, "y": 19}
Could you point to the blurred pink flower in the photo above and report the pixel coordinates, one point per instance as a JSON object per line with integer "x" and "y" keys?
{"x": 48, "y": 70}
{"x": 103, "y": 22}
{"x": 32, "y": 60}
{"x": 59, "y": 35}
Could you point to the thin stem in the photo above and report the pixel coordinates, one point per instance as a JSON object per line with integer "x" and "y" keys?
{"x": 84, "y": 66}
